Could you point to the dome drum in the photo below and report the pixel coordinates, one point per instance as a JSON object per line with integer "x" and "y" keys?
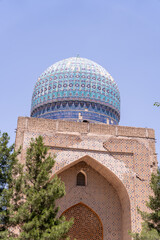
{"x": 77, "y": 111}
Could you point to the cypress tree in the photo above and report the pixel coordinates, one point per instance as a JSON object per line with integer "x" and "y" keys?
{"x": 7, "y": 160}
{"x": 32, "y": 208}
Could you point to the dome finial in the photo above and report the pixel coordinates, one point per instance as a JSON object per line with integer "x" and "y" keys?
{"x": 77, "y": 56}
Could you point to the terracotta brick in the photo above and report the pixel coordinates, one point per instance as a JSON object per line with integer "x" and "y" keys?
{"x": 117, "y": 160}
{"x": 66, "y": 126}
{"x": 131, "y": 131}
{"x": 102, "y": 129}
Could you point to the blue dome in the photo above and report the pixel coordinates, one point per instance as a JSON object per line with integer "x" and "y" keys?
{"x": 76, "y": 89}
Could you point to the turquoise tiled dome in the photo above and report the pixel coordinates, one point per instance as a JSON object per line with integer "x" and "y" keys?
{"x": 76, "y": 89}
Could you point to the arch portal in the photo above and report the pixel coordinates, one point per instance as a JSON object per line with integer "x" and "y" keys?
{"x": 87, "y": 224}
{"x": 114, "y": 181}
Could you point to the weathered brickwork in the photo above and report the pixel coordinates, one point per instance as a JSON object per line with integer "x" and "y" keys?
{"x": 99, "y": 195}
{"x": 87, "y": 225}
{"x": 117, "y": 160}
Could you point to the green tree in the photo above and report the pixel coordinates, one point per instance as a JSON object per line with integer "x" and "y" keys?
{"x": 7, "y": 159}
{"x": 151, "y": 224}
{"x": 32, "y": 209}
{"x": 157, "y": 104}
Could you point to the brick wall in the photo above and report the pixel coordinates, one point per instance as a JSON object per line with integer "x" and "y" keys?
{"x": 123, "y": 156}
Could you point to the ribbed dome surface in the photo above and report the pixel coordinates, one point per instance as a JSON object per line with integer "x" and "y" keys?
{"x": 76, "y": 89}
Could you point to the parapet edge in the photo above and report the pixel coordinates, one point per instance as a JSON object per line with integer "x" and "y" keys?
{"x": 50, "y": 125}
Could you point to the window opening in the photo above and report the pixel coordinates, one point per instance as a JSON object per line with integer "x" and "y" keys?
{"x": 81, "y": 181}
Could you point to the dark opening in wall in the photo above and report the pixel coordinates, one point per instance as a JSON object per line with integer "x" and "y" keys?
{"x": 81, "y": 179}
{"x": 85, "y": 121}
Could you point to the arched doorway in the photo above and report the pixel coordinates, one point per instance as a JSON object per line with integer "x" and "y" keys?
{"x": 113, "y": 206}
{"x": 87, "y": 224}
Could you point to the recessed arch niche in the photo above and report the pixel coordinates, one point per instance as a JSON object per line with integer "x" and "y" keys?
{"x": 119, "y": 190}
{"x": 87, "y": 224}
{"x": 81, "y": 178}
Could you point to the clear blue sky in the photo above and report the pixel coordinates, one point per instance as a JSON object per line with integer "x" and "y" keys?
{"x": 121, "y": 35}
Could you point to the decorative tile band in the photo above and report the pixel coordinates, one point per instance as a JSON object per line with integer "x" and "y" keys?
{"x": 78, "y": 111}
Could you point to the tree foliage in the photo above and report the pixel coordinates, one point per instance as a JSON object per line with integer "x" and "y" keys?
{"x": 7, "y": 160}
{"x": 157, "y": 104}
{"x": 151, "y": 224}
{"x": 32, "y": 207}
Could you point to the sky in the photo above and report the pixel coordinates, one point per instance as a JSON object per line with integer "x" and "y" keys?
{"x": 122, "y": 36}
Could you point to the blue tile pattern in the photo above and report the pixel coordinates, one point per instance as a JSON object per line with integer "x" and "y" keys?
{"x": 76, "y": 89}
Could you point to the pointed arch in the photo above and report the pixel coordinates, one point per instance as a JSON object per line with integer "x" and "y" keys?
{"x": 87, "y": 224}
{"x": 81, "y": 178}
{"x": 116, "y": 183}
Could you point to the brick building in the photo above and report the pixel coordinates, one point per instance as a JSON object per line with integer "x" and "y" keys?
{"x": 106, "y": 168}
